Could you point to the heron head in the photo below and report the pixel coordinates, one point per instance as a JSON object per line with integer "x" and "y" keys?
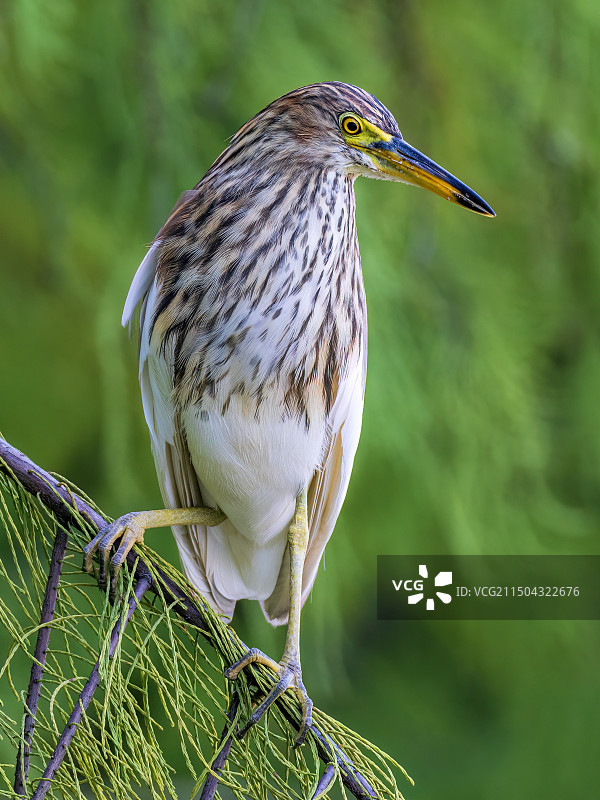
{"x": 348, "y": 128}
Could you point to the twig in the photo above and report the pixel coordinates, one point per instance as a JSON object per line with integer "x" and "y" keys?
{"x": 353, "y": 780}
{"x": 326, "y": 780}
{"x": 86, "y": 695}
{"x": 216, "y": 768}
{"x": 58, "y": 500}
{"x": 39, "y": 659}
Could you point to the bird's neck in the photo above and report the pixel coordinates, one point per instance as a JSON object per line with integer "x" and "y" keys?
{"x": 267, "y": 235}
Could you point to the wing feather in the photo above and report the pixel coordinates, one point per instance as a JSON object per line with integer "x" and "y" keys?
{"x": 146, "y": 272}
{"x": 178, "y": 481}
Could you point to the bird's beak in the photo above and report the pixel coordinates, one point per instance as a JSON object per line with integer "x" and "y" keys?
{"x": 399, "y": 160}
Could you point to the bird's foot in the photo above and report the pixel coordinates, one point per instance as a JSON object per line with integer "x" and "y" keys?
{"x": 289, "y": 676}
{"x": 130, "y": 529}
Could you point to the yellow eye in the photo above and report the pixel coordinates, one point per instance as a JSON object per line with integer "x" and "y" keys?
{"x": 351, "y": 125}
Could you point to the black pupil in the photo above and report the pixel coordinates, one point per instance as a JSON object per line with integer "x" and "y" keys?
{"x": 351, "y": 126}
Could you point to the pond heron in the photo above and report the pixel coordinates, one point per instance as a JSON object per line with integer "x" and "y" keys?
{"x": 252, "y": 356}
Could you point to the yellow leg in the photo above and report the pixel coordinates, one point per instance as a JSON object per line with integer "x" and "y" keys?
{"x": 130, "y": 529}
{"x": 288, "y": 670}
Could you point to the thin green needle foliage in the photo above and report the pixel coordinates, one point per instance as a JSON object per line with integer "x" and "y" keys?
{"x": 162, "y": 690}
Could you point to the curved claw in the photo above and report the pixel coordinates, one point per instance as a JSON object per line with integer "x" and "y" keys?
{"x": 131, "y": 534}
{"x": 289, "y": 677}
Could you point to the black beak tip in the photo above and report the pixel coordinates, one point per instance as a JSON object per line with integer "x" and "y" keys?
{"x": 475, "y": 203}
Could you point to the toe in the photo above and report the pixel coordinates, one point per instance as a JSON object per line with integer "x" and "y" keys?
{"x": 289, "y": 678}
{"x": 258, "y": 713}
{"x": 307, "y": 707}
{"x": 88, "y": 552}
{"x": 110, "y": 536}
{"x": 131, "y": 536}
{"x": 253, "y": 656}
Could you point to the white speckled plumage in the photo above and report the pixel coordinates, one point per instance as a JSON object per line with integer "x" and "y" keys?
{"x": 253, "y": 335}
{"x": 253, "y": 465}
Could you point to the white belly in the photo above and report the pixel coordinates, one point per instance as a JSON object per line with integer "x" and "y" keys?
{"x": 253, "y": 470}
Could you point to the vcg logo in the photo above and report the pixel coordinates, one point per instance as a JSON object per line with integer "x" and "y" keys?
{"x": 418, "y": 589}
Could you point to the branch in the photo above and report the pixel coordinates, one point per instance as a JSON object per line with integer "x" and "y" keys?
{"x": 39, "y": 659}
{"x": 86, "y": 695}
{"x": 59, "y": 500}
{"x": 216, "y": 768}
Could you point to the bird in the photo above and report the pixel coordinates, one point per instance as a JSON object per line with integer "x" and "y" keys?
{"x": 253, "y": 355}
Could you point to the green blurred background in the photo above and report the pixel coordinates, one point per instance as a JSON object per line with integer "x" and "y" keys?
{"x": 480, "y": 432}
